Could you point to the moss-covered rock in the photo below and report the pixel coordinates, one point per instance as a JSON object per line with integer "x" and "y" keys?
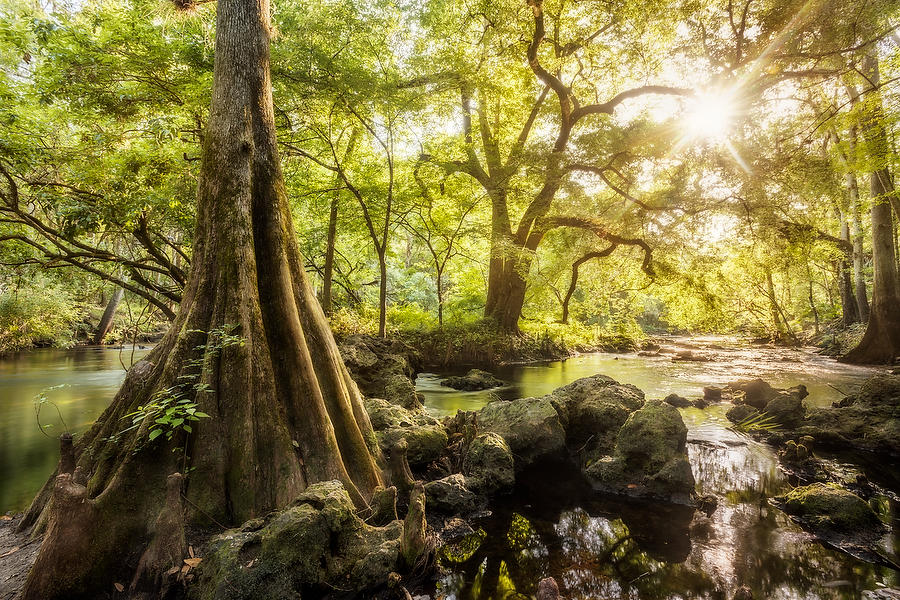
{"x": 786, "y": 409}
{"x": 740, "y": 412}
{"x": 649, "y": 457}
{"x": 624, "y": 444}
{"x": 592, "y": 410}
{"x": 316, "y": 544}
{"x": 474, "y": 380}
{"x": 677, "y": 401}
{"x": 453, "y": 495}
{"x": 489, "y": 464}
{"x": 530, "y": 426}
{"x": 755, "y": 392}
{"x": 383, "y": 368}
{"x": 425, "y": 437}
{"x": 830, "y": 507}
{"x": 868, "y": 421}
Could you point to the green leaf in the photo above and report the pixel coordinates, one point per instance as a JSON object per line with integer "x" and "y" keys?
{"x": 155, "y": 433}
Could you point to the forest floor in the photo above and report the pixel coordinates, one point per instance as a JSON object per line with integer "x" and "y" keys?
{"x": 17, "y": 554}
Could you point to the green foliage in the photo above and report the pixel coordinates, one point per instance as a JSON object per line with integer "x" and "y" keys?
{"x": 40, "y": 313}
{"x": 176, "y": 408}
{"x": 102, "y": 106}
{"x": 41, "y": 400}
{"x": 757, "y": 422}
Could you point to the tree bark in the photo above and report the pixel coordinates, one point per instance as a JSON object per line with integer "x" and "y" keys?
{"x": 107, "y": 319}
{"x": 284, "y": 412}
{"x": 382, "y": 293}
{"x": 881, "y": 342}
{"x": 849, "y": 308}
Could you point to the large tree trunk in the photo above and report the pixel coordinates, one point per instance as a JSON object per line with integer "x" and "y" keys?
{"x": 107, "y": 319}
{"x": 881, "y": 342}
{"x": 508, "y": 294}
{"x": 284, "y": 412}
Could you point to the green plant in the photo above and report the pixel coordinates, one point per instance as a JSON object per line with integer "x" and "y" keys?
{"x": 757, "y": 422}
{"x": 175, "y": 408}
{"x": 40, "y": 400}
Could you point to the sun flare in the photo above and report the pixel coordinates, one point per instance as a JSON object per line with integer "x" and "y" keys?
{"x": 710, "y": 116}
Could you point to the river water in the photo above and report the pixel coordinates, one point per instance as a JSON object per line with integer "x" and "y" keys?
{"x": 80, "y": 383}
{"x": 604, "y": 548}
{"x": 553, "y": 525}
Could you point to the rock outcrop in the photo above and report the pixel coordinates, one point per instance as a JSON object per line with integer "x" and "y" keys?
{"x": 623, "y": 444}
{"x": 474, "y": 380}
{"x": 868, "y": 420}
{"x": 781, "y": 407}
{"x": 425, "y": 437}
{"x": 383, "y": 368}
{"x": 316, "y": 545}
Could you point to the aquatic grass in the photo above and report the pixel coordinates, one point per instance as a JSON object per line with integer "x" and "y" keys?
{"x": 758, "y": 422}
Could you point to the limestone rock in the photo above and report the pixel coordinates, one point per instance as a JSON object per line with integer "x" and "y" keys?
{"x": 649, "y": 457}
{"x": 489, "y": 464}
{"x": 453, "y": 495}
{"x": 315, "y": 544}
{"x": 530, "y": 426}
{"x": 426, "y": 438}
{"x": 474, "y": 380}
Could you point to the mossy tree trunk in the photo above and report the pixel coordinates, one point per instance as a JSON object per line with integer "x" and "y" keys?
{"x": 284, "y": 412}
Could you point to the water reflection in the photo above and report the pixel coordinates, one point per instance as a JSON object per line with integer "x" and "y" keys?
{"x": 660, "y": 376}
{"x": 598, "y": 547}
{"x": 90, "y": 378}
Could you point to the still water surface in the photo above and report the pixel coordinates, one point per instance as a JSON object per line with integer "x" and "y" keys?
{"x": 554, "y": 525}
{"x": 89, "y": 378}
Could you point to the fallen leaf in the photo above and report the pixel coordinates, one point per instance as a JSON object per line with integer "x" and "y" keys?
{"x": 192, "y": 562}
{"x": 173, "y": 570}
{"x": 119, "y": 587}
{"x": 191, "y": 551}
{"x": 5, "y": 518}
{"x": 16, "y": 549}
{"x": 185, "y": 569}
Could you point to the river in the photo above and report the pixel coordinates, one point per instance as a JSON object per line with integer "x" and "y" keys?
{"x": 596, "y": 547}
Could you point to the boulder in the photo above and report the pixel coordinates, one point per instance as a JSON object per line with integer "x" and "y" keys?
{"x": 754, "y": 392}
{"x": 677, "y": 401}
{"x": 786, "y": 409}
{"x": 453, "y": 495}
{"x": 318, "y": 543}
{"x": 530, "y": 426}
{"x": 868, "y": 421}
{"x": 489, "y": 464}
{"x": 826, "y": 507}
{"x": 383, "y": 368}
{"x": 740, "y": 412}
{"x": 649, "y": 457}
{"x": 425, "y": 437}
{"x": 592, "y": 410}
{"x": 712, "y": 394}
{"x": 474, "y": 380}
{"x": 622, "y": 443}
